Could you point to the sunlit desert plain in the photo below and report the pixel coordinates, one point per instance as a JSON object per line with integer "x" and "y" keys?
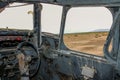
{"x": 90, "y": 42}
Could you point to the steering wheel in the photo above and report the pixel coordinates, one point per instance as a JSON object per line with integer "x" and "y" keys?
{"x": 34, "y": 62}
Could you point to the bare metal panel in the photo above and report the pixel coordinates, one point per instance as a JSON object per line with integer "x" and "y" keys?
{"x": 75, "y": 2}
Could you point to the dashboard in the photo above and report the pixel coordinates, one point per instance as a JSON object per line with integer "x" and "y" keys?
{"x": 9, "y": 40}
{"x": 12, "y": 38}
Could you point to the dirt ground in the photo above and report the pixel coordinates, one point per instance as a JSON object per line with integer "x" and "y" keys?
{"x": 91, "y": 42}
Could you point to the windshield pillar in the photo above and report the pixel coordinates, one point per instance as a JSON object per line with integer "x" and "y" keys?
{"x": 62, "y": 26}
{"x": 37, "y": 24}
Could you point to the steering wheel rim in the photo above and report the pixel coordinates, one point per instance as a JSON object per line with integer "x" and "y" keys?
{"x": 22, "y": 44}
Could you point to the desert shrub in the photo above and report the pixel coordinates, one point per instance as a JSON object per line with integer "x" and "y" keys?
{"x": 97, "y": 35}
{"x": 105, "y": 34}
{"x": 75, "y": 35}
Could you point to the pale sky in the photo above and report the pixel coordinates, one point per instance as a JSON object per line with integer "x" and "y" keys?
{"x": 78, "y": 19}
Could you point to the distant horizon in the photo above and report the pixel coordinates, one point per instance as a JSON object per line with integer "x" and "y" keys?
{"x": 96, "y": 30}
{"x": 102, "y": 29}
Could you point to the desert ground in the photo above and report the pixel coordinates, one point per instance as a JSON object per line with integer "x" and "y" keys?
{"x": 90, "y": 42}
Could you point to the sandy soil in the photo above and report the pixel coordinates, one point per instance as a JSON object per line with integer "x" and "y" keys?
{"x": 86, "y": 42}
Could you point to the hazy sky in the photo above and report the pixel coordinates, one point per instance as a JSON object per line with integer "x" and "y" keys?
{"x": 78, "y": 19}
{"x": 16, "y": 17}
